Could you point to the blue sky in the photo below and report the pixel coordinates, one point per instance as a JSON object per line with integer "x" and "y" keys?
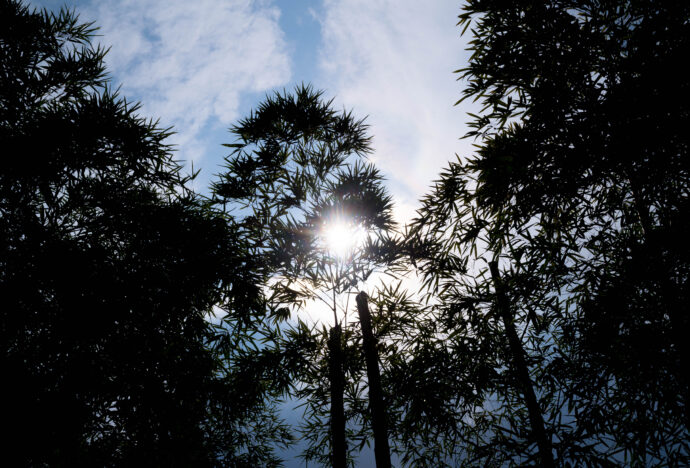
{"x": 200, "y": 66}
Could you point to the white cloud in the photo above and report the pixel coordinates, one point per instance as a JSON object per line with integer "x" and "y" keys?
{"x": 190, "y": 62}
{"x": 394, "y": 61}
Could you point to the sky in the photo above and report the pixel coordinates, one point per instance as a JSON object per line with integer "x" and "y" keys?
{"x": 200, "y": 66}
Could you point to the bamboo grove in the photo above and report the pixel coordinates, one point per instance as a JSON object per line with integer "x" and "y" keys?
{"x": 534, "y": 312}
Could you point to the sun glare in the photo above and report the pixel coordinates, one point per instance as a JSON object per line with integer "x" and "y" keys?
{"x": 341, "y": 238}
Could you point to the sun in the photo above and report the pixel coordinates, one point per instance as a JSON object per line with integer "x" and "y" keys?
{"x": 341, "y": 238}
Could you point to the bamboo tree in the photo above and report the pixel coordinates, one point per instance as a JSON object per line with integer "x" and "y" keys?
{"x": 521, "y": 370}
{"x": 110, "y": 267}
{"x": 376, "y": 403}
{"x": 294, "y": 171}
{"x": 595, "y": 156}
{"x": 580, "y": 182}
{"x": 337, "y": 381}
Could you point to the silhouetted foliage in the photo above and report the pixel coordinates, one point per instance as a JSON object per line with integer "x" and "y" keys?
{"x": 109, "y": 266}
{"x": 295, "y": 168}
{"x": 579, "y": 192}
{"x": 555, "y": 260}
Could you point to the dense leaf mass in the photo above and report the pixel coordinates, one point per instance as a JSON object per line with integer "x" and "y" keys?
{"x": 108, "y": 267}
{"x": 579, "y": 193}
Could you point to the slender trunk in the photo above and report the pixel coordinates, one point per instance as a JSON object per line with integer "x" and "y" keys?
{"x": 335, "y": 368}
{"x": 520, "y": 365}
{"x": 376, "y": 405}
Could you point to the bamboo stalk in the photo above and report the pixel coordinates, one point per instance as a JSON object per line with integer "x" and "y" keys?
{"x": 376, "y": 404}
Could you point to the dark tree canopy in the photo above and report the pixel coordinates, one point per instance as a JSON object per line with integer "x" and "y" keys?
{"x": 108, "y": 267}
{"x": 555, "y": 261}
{"x": 579, "y": 192}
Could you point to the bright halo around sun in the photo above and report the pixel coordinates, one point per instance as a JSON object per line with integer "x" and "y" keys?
{"x": 342, "y": 238}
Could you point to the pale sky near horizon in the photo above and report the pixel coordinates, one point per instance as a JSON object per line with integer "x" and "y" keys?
{"x": 200, "y": 66}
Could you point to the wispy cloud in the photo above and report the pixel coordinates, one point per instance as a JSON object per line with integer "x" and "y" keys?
{"x": 393, "y": 60}
{"x": 190, "y": 62}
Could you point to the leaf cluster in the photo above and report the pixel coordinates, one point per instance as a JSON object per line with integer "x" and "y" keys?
{"x": 109, "y": 266}
{"x": 577, "y": 189}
